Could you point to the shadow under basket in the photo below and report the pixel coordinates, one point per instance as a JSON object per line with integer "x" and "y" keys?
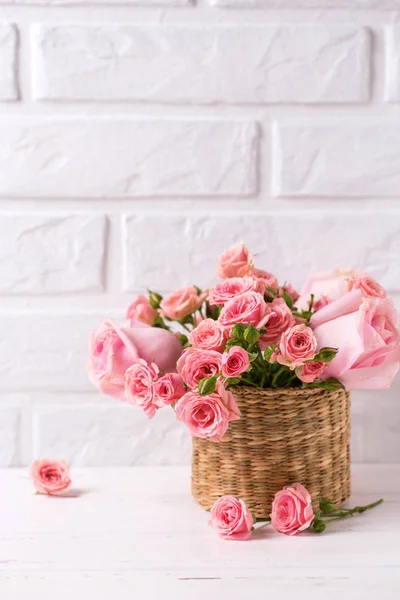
{"x": 283, "y": 436}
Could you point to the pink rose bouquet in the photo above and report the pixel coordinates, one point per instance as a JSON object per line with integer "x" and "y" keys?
{"x": 186, "y": 350}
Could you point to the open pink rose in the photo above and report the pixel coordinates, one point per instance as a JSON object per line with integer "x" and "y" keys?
{"x": 235, "y": 262}
{"x": 141, "y": 310}
{"x": 231, "y": 519}
{"x": 279, "y": 318}
{"x": 311, "y": 371}
{"x": 333, "y": 284}
{"x": 364, "y": 329}
{"x": 208, "y": 416}
{"x": 50, "y": 476}
{"x": 208, "y": 335}
{"x": 298, "y": 344}
{"x": 139, "y": 386}
{"x": 368, "y": 285}
{"x": 235, "y": 362}
{"x": 249, "y": 307}
{"x": 114, "y": 348}
{"x": 230, "y": 288}
{"x": 182, "y": 303}
{"x": 168, "y": 389}
{"x": 292, "y": 510}
{"x": 196, "y": 364}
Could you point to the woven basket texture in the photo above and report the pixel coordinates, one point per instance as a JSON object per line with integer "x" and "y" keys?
{"x": 283, "y": 436}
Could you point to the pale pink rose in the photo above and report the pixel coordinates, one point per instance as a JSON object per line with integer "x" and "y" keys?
{"x": 267, "y": 280}
{"x": 141, "y": 310}
{"x": 139, "y": 386}
{"x": 50, "y": 476}
{"x": 235, "y": 362}
{"x": 249, "y": 308}
{"x": 333, "y": 284}
{"x": 168, "y": 389}
{"x": 231, "y": 519}
{"x": 289, "y": 289}
{"x": 181, "y": 303}
{"x": 235, "y": 262}
{"x": 208, "y": 416}
{"x": 292, "y": 510}
{"x": 196, "y": 364}
{"x": 364, "y": 329}
{"x": 279, "y": 319}
{"x": 114, "y": 348}
{"x": 230, "y": 288}
{"x": 321, "y": 302}
{"x": 368, "y": 285}
{"x": 311, "y": 371}
{"x": 208, "y": 335}
{"x": 298, "y": 344}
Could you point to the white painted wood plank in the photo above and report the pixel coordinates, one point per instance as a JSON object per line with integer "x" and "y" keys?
{"x": 138, "y": 532}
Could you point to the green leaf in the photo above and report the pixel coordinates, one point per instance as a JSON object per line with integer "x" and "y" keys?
{"x": 234, "y": 380}
{"x": 252, "y": 356}
{"x": 287, "y": 299}
{"x": 183, "y": 339}
{"x": 234, "y": 342}
{"x": 330, "y": 384}
{"x": 207, "y": 385}
{"x": 154, "y": 299}
{"x": 238, "y": 330}
{"x": 251, "y": 335}
{"x": 326, "y": 355}
{"x": 268, "y": 352}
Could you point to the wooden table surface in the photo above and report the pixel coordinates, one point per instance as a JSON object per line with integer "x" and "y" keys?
{"x": 135, "y": 533}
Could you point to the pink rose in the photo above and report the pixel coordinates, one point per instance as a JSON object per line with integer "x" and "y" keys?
{"x": 235, "y": 262}
{"x": 181, "y": 303}
{"x": 208, "y": 335}
{"x": 321, "y": 302}
{"x": 139, "y": 386}
{"x": 333, "y": 284}
{"x": 235, "y": 361}
{"x": 196, "y": 364}
{"x": 311, "y": 371}
{"x": 141, "y": 310}
{"x": 267, "y": 280}
{"x": 368, "y": 285}
{"x": 208, "y": 416}
{"x": 230, "y": 288}
{"x": 249, "y": 307}
{"x": 365, "y": 332}
{"x": 231, "y": 519}
{"x": 168, "y": 389}
{"x": 292, "y": 510}
{"x": 298, "y": 344}
{"x": 279, "y": 319}
{"x": 50, "y": 476}
{"x": 114, "y": 348}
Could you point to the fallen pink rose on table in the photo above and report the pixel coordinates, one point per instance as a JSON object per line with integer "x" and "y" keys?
{"x": 231, "y": 519}
{"x": 50, "y": 476}
{"x": 292, "y": 510}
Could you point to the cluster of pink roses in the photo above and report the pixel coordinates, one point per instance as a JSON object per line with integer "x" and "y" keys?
{"x": 291, "y": 513}
{"x": 188, "y": 348}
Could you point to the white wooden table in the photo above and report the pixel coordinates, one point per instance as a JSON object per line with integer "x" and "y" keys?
{"x": 136, "y": 533}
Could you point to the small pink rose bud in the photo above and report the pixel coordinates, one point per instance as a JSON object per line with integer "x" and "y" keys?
{"x": 235, "y": 362}
{"x": 50, "y": 476}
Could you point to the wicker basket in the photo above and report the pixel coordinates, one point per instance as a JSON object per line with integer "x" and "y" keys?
{"x": 283, "y": 436}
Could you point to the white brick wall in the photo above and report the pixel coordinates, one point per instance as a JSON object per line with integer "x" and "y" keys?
{"x": 138, "y": 139}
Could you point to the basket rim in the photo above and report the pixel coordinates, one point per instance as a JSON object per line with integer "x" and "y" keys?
{"x": 289, "y": 392}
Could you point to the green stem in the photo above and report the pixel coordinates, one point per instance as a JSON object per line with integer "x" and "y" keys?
{"x": 186, "y": 327}
{"x": 349, "y": 512}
